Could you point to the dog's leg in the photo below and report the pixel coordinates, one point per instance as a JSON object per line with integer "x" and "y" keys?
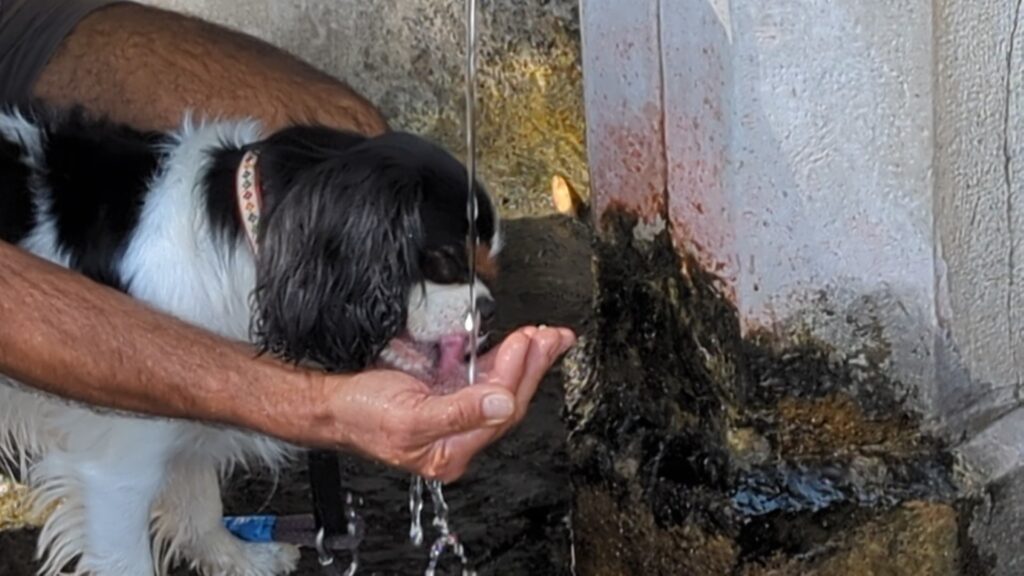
{"x": 188, "y": 525}
{"x": 105, "y": 482}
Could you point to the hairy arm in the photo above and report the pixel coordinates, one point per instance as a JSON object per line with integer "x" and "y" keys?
{"x": 71, "y": 337}
{"x": 145, "y": 67}
{"x": 74, "y": 338}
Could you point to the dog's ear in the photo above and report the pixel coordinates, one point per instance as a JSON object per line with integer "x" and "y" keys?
{"x": 337, "y": 256}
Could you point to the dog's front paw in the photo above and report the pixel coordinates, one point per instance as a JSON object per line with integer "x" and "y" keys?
{"x": 252, "y": 559}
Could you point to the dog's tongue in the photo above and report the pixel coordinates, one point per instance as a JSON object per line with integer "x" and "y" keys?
{"x": 451, "y": 368}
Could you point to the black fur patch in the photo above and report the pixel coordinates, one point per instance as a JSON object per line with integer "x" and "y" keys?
{"x": 221, "y": 203}
{"x": 288, "y": 153}
{"x": 17, "y": 212}
{"x": 349, "y": 225}
{"x": 98, "y": 175}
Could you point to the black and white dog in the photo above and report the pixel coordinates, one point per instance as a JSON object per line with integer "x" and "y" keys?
{"x": 319, "y": 246}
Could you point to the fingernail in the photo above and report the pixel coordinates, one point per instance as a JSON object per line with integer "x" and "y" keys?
{"x": 497, "y": 408}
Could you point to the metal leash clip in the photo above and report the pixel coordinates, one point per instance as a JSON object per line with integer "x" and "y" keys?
{"x": 325, "y": 547}
{"x": 304, "y": 530}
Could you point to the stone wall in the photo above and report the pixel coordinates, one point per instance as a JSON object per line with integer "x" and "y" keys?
{"x": 408, "y": 57}
{"x": 808, "y": 278}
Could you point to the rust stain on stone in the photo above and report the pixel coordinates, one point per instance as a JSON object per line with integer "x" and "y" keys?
{"x": 734, "y": 454}
{"x": 635, "y": 183}
{"x": 916, "y": 539}
{"x": 836, "y": 424}
{"x": 633, "y": 543}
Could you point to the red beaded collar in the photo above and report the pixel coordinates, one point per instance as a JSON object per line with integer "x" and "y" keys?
{"x": 250, "y": 201}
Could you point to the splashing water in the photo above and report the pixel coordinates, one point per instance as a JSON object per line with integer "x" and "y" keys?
{"x": 446, "y": 539}
{"x": 416, "y": 510}
{"x": 353, "y": 531}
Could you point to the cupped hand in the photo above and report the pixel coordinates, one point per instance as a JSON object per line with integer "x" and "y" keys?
{"x": 396, "y": 419}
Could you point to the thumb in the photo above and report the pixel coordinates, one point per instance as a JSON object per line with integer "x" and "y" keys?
{"x": 470, "y": 408}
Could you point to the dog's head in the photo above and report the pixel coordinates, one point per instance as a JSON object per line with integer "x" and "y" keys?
{"x": 364, "y": 256}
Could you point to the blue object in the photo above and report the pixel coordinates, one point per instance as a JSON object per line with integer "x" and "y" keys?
{"x": 252, "y": 528}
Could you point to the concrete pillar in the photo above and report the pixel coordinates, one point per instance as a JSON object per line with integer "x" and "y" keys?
{"x": 809, "y": 288}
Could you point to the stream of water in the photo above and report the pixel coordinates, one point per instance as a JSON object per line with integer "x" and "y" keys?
{"x": 446, "y": 539}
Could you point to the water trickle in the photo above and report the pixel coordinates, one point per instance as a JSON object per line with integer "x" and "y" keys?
{"x": 447, "y": 539}
{"x": 472, "y": 211}
{"x": 416, "y": 510}
{"x": 355, "y": 532}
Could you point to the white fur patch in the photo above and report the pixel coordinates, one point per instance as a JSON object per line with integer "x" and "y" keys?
{"x": 16, "y": 128}
{"x": 439, "y": 310}
{"x": 173, "y": 240}
{"x": 102, "y": 471}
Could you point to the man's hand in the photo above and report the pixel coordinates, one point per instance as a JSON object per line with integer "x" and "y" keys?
{"x": 394, "y": 418}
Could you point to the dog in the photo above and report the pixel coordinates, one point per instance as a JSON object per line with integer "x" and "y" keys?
{"x": 321, "y": 247}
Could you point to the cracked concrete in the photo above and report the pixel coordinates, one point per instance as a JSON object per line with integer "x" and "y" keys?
{"x": 980, "y": 279}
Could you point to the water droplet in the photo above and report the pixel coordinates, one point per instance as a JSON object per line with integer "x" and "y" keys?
{"x": 415, "y": 510}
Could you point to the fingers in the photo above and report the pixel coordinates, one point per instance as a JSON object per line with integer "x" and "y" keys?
{"x": 473, "y": 407}
{"x": 514, "y": 346}
{"x": 546, "y": 346}
{"x": 524, "y": 337}
{"x": 465, "y": 422}
{"x": 519, "y": 373}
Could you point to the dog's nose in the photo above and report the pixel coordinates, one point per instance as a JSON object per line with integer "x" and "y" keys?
{"x": 487, "y": 308}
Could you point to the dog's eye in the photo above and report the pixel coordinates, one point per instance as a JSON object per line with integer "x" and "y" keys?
{"x": 445, "y": 266}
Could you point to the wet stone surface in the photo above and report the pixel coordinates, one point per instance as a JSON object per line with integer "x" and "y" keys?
{"x": 696, "y": 451}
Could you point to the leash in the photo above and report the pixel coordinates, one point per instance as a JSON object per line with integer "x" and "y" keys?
{"x": 301, "y": 530}
{"x": 325, "y": 484}
{"x": 327, "y": 529}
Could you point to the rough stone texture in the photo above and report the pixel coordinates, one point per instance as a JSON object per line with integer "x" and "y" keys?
{"x": 978, "y": 196}
{"x": 829, "y": 181}
{"x": 408, "y": 58}
{"x": 844, "y": 176}
{"x": 916, "y": 538}
{"x": 974, "y": 177}
{"x": 698, "y": 450}
{"x": 997, "y": 525}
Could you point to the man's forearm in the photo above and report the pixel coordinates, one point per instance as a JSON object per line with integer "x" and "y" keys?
{"x": 144, "y": 66}
{"x": 69, "y": 336}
